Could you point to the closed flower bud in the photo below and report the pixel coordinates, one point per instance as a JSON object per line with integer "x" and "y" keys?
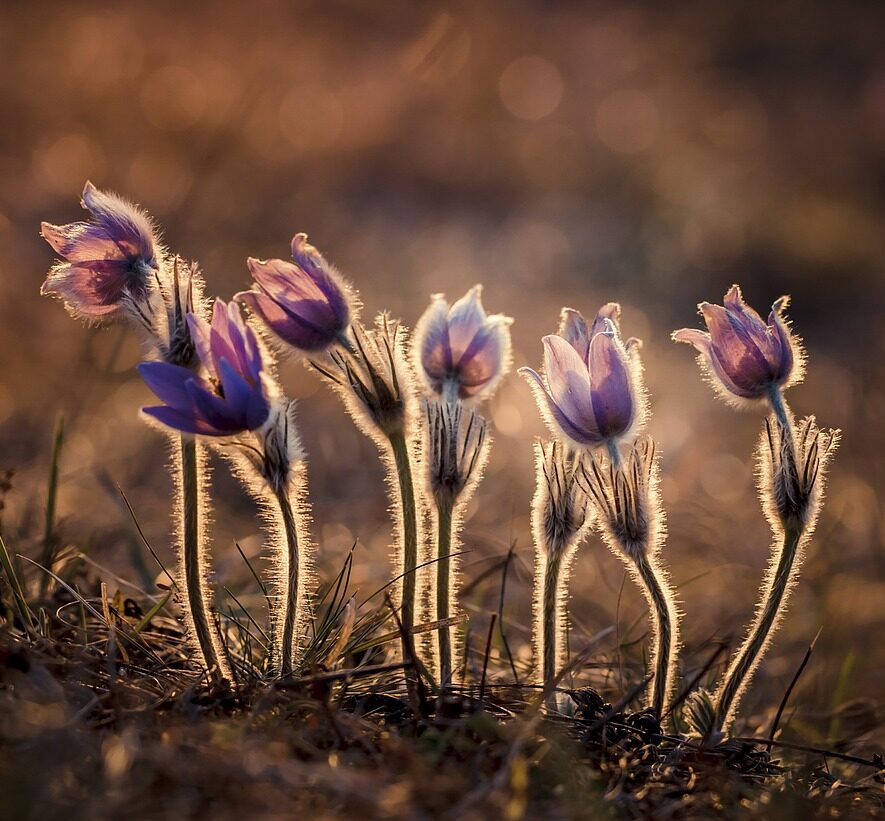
{"x": 112, "y": 257}
{"x": 456, "y": 441}
{"x": 462, "y": 352}
{"x": 746, "y": 357}
{"x": 591, "y": 392}
{"x": 305, "y": 302}
{"x": 231, "y": 398}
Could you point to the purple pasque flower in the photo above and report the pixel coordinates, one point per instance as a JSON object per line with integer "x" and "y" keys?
{"x": 304, "y": 302}
{"x": 462, "y": 351}
{"x": 231, "y": 397}
{"x": 591, "y": 392}
{"x": 106, "y": 259}
{"x": 747, "y": 357}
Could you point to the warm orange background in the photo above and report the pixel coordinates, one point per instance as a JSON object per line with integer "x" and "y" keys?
{"x": 560, "y": 154}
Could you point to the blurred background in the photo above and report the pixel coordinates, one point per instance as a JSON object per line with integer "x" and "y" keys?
{"x": 561, "y": 154}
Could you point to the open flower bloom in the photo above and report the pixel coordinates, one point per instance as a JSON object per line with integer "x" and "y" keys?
{"x": 746, "y": 356}
{"x": 106, "y": 259}
{"x": 231, "y": 398}
{"x": 591, "y": 393}
{"x": 304, "y": 302}
{"x": 462, "y": 351}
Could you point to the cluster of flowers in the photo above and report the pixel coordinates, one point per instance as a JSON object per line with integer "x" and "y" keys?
{"x": 418, "y": 398}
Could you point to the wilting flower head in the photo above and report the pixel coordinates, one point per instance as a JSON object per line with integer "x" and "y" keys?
{"x": 107, "y": 260}
{"x": 591, "y": 392}
{"x": 231, "y": 397}
{"x": 461, "y": 350}
{"x": 746, "y": 356}
{"x": 304, "y": 302}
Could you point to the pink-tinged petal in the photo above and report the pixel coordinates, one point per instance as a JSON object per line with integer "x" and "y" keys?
{"x": 432, "y": 335}
{"x": 81, "y": 242}
{"x": 612, "y": 390}
{"x": 466, "y": 317}
{"x": 92, "y": 289}
{"x": 700, "y": 339}
{"x": 168, "y": 382}
{"x": 178, "y": 420}
{"x": 568, "y": 383}
{"x": 573, "y": 329}
{"x": 558, "y": 418}
{"x": 610, "y": 312}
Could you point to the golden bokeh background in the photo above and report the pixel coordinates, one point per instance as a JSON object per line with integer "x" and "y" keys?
{"x": 568, "y": 153}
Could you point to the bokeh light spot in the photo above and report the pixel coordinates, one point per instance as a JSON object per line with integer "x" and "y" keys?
{"x": 531, "y": 88}
{"x": 627, "y": 121}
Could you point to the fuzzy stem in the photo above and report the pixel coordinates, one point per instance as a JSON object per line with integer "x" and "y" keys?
{"x": 443, "y": 587}
{"x": 409, "y": 535}
{"x": 613, "y": 452}
{"x": 743, "y": 666}
{"x": 740, "y": 671}
{"x": 289, "y": 581}
{"x": 663, "y": 621}
{"x": 193, "y": 556}
{"x": 551, "y": 617}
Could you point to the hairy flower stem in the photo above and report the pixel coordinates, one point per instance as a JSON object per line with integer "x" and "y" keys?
{"x": 662, "y": 613}
{"x": 553, "y": 601}
{"x": 289, "y": 578}
{"x": 662, "y": 619}
{"x": 409, "y": 534}
{"x": 445, "y": 512}
{"x": 193, "y": 557}
{"x": 737, "y": 676}
{"x": 774, "y": 595}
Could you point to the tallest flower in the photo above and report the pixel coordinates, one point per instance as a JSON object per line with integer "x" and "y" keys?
{"x": 106, "y": 260}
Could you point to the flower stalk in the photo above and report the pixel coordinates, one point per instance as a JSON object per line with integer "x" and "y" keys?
{"x": 192, "y": 554}
{"x": 793, "y": 461}
{"x": 631, "y": 520}
{"x": 559, "y": 522}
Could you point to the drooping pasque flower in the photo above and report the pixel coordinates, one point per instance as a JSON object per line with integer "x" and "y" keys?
{"x": 231, "y": 397}
{"x": 462, "y": 351}
{"x": 305, "y": 302}
{"x": 746, "y": 357}
{"x": 106, "y": 260}
{"x": 591, "y": 391}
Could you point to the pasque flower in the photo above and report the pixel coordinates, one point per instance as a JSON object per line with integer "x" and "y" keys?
{"x": 746, "y": 356}
{"x": 106, "y": 259}
{"x": 462, "y": 352}
{"x": 304, "y": 302}
{"x": 591, "y": 393}
{"x": 231, "y": 397}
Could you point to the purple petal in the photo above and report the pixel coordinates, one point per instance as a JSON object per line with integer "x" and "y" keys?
{"x": 221, "y": 416}
{"x": 466, "y": 318}
{"x": 168, "y": 382}
{"x": 786, "y": 357}
{"x": 91, "y": 289}
{"x": 612, "y": 389}
{"x": 735, "y": 354}
{"x": 81, "y": 242}
{"x": 178, "y": 420}
{"x": 432, "y": 333}
{"x": 484, "y": 358}
{"x": 610, "y": 312}
{"x": 291, "y": 328}
{"x": 324, "y": 276}
{"x": 568, "y": 383}
{"x": 573, "y": 329}
{"x": 585, "y": 437}
{"x": 125, "y": 224}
